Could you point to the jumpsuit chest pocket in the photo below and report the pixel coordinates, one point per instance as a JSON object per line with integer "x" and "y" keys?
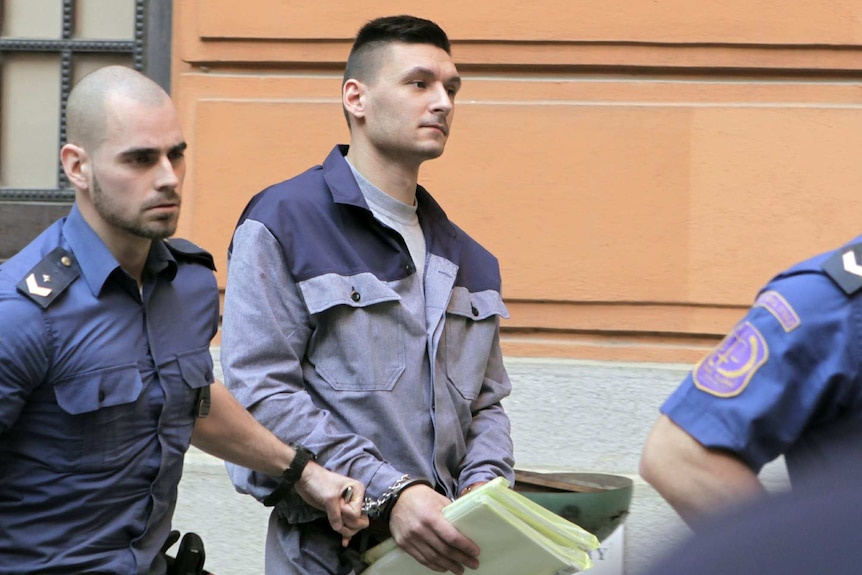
{"x": 100, "y": 418}
{"x": 357, "y": 342}
{"x": 469, "y": 335}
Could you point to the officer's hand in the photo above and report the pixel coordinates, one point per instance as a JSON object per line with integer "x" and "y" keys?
{"x": 324, "y": 490}
{"x": 419, "y": 528}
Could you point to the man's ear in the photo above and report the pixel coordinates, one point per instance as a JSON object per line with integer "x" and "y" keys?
{"x": 353, "y": 98}
{"x": 76, "y": 164}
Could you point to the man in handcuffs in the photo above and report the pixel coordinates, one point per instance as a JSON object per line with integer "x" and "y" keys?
{"x": 362, "y": 323}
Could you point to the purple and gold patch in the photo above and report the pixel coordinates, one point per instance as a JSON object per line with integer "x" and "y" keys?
{"x": 775, "y": 304}
{"x": 727, "y": 370}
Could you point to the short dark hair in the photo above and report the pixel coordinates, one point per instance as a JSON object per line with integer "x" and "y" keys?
{"x": 382, "y": 31}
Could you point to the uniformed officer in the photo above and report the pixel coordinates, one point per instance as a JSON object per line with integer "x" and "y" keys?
{"x": 105, "y": 371}
{"x": 816, "y": 528}
{"x": 785, "y": 381}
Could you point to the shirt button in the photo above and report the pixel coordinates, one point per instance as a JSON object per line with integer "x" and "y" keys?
{"x": 66, "y": 261}
{"x": 474, "y": 310}
{"x": 354, "y": 295}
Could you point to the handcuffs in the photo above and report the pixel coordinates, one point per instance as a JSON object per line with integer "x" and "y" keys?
{"x": 381, "y": 507}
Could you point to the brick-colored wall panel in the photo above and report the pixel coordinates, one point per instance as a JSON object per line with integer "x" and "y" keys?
{"x": 639, "y": 168}
{"x": 730, "y": 21}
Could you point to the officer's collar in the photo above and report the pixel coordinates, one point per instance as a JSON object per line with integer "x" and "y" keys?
{"x": 160, "y": 261}
{"x": 97, "y": 262}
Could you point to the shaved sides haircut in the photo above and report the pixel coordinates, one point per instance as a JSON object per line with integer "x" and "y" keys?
{"x": 363, "y": 61}
{"x": 87, "y": 108}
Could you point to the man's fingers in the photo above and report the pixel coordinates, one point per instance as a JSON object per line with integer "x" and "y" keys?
{"x": 351, "y": 507}
{"x": 350, "y": 512}
{"x": 421, "y": 530}
{"x": 345, "y": 514}
{"x": 453, "y": 545}
{"x": 428, "y": 557}
{"x": 437, "y": 555}
{"x": 333, "y": 514}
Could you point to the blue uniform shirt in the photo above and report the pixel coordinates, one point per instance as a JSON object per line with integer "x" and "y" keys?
{"x": 816, "y": 528}
{"x": 786, "y": 380}
{"x": 98, "y": 383}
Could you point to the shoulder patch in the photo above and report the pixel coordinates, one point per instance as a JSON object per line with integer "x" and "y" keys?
{"x": 780, "y": 308}
{"x": 727, "y": 370}
{"x": 187, "y": 251}
{"x": 845, "y": 268}
{"x": 50, "y": 277}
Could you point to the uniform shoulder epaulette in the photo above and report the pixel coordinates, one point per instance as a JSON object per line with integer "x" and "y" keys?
{"x": 50, "y": 277}
{"x": 186, "y": 250}
{"x": 845, "y": 268}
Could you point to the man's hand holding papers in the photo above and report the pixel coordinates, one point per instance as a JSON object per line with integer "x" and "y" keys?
{"x": 515, "y": 535}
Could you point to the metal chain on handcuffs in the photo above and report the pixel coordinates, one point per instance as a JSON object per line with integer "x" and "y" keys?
{"x": 382, "y": 506}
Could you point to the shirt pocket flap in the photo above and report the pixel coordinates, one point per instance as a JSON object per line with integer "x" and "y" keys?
{"x": 476, "y": 305}
{"x": 98, "y": 389}
{"x": 330, "y": 290}
{"x": 196, "y": 368}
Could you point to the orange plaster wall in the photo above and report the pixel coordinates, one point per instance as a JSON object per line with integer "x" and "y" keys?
{"x": 639, "y": 168}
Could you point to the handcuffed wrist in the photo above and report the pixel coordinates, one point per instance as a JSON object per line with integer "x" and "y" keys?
{"x": 381, "y": 508}
{"x": 471, "y": 487}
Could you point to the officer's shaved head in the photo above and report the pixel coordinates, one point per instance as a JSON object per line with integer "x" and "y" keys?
{"x": 88, "y": 107}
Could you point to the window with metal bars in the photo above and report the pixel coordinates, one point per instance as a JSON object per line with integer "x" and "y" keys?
{"x": 45, "y": 47}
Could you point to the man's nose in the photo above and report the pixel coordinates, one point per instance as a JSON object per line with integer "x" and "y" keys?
{"x": 442, "y": 100}
{"x": 167, "y": 175}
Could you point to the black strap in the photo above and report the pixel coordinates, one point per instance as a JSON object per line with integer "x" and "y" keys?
{"x": 291, "y": 475}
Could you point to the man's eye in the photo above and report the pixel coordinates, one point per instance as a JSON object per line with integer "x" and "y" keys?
{"x": 177, "y": 155}
{"x": 420, "y": 84}
{"x": 142, "y": 159}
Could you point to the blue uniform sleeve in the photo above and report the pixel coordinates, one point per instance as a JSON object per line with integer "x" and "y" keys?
{"x": 785, "y": 366}
{"x": 23, "y": 354}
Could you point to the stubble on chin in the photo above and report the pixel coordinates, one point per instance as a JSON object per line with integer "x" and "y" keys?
{"x": 155, "y": 227}
{"x": 144, "y": 226}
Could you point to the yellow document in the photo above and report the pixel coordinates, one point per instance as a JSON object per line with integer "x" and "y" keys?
{"x": 515, "y": 536}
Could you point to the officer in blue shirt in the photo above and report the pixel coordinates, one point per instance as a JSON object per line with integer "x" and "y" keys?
{"x": 105, "y": 371}
{"x": 816, "y": 528}
{"x": 785, "y": 381}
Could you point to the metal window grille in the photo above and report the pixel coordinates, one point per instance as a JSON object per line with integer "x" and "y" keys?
{"x": 66, "y": 47}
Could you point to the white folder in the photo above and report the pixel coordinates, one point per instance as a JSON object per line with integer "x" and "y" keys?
{"x": 515, "y": 535}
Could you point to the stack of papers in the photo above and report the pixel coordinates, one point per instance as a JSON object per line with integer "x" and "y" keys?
{"x": 515, "y": 536}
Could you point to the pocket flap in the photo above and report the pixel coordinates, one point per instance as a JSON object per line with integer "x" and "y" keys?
{"x": 476, "y": 306}
{"x": 330, "y": 290}
{"x": 98, "y": 389}
{"x": 196, "y": 368}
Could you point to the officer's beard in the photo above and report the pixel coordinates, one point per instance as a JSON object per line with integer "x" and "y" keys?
{"x": 111, "y": 211}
